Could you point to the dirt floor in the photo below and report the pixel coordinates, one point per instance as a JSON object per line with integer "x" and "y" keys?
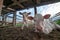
{"x": 15, "y": 33}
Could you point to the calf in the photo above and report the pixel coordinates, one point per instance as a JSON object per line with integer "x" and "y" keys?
{"x": 43, "y": 23}
{"x": 26, "y": 19}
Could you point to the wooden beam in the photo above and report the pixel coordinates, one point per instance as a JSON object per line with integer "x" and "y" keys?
{"x": 20, "y": 1}
{"x": 16, "y": 15}
{"x": 19, "y": 16}
{"x": 13, "y": 13}
{"x": 23, "y": 1}
{"x": 3, "y": 19}
{"x": 12, "y": 4}
{"x": 15, "y": 2}
{"x": 1, "y": 5}
{"x": 6, "y": 10}
{"x": 9, "y": 14}
{"x": 35, "y": 9}
{"x": 38, "y": 1}
{"x": 20, "y": 5}
{"x": 14, "y": 19}
{"x": 41, "y": 4}
{"x": 9, "y": 8}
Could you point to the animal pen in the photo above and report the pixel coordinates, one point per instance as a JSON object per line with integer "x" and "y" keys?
{"x": 10, "y": 30}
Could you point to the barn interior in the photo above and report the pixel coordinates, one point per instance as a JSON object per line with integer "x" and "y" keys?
{"x": 9, "y": 30}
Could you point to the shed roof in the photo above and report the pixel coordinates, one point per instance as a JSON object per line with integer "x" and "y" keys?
{"x": 22, "y": 4}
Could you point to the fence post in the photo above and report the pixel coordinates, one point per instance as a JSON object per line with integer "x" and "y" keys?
{"x": 14, "y": 19}
{"x": 1, "y": 5}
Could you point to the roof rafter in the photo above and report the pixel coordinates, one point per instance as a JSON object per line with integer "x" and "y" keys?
{"x": 38, "y": 1}
{"x": 9, "y": 8}
{"x": 15, "y": 2}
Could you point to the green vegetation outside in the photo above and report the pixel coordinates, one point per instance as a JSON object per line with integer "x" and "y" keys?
{"x": 19, "y": 24}
{"x": 57, "y": 22}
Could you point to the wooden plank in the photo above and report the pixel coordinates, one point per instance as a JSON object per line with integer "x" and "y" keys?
{"x": 1, "y": 5}
{"x": 5, "y": 17}
{"x": 15, "y": 2}
{"x": 2, "y": 19}
{"x": 14, "y": 19}
{"x": 23, "y": 1}
{"x": 35, "y": 9}
{"x": 19, "y": 16}
{"x": 41, "y": 4}
{"x": 38, "y": 1}
{"x": 20, "y": 5}
{"x": 8, "y": 8}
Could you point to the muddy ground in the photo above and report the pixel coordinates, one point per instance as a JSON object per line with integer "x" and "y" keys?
{"x": 15, "y": 33}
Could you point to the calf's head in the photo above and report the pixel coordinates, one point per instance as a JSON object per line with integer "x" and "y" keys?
{"x": 40, "y": 20}
{"x": 25, "y": 14}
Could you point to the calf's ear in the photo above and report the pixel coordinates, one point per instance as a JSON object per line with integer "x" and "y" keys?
{"x": 20, "y": 13}
{"x": 46, "y": 16}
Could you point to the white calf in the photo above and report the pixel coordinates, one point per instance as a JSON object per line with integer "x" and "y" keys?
{"x": 26, "y": 19}
{"x": 38, "y": 19}
{"x": 44, "y": 23}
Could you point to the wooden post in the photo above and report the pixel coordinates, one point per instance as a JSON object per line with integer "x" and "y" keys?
{"x": 1, "y": 5}
{"x": 2, "y": 19}
{"x": 5, "y": 17}
{"x": 35, "y": 9}
{"x": 38, "y": 1}
{"x": 14, "y": 19}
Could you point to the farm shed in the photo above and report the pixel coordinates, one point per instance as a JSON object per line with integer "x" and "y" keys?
{"x": 12, "y": 6}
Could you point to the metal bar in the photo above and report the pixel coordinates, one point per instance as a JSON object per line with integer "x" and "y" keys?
{"x": 12, "y": 17}
{"x": 19, "y": 16}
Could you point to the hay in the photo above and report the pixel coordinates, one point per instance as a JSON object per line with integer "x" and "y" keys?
{"x": 15, "y": 33}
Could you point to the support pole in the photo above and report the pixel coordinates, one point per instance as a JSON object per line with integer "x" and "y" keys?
{"x": 2, "y": 19}
{"x": 38, "y": 1}
{"x": 14, "y": 19}
{"x": 35, "y": 9}
{"x": 5, "y": 19}
{"x": 1, "y": 5}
